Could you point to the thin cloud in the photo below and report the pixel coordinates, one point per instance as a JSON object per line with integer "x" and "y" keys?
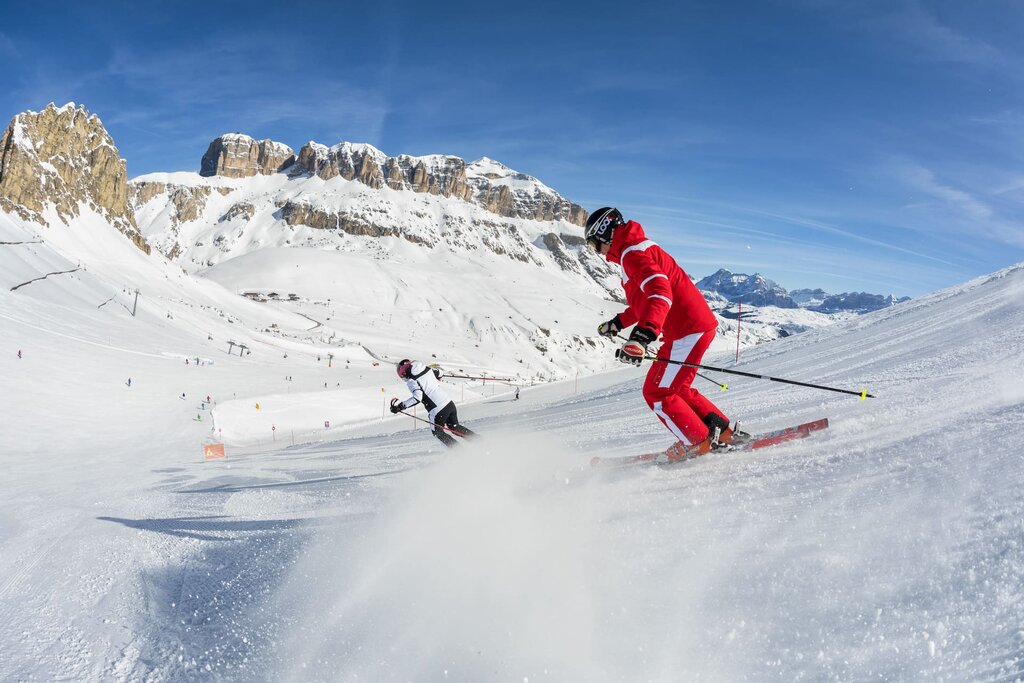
{"x": 821, "y": 226}
{"x": 1012, "y": 185}
{"x": 958, "y": 211}
{"x": 7, "y": 47}
{"x": 942, "y": 42}
{"x": 252, "y": 87}
{"x": 924, "y": 180}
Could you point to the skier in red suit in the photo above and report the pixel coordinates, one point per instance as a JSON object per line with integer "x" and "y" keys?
{"x": 662, "y": 301}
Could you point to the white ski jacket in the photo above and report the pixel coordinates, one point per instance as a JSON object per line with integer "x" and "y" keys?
{"x": 426, "y": 389}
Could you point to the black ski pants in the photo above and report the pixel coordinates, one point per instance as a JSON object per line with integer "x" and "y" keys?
{"x": 448, "y": 417}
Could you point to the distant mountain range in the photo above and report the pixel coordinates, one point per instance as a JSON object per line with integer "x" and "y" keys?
{"x": 757, "y": 290}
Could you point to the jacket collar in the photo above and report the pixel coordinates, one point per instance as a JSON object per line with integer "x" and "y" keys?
{"x": 624, "y": 235}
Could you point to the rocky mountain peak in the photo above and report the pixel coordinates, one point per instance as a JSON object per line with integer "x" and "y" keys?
{"x": 63, "y": 157}
{"x": 434, "y": 174}
{"x": 507, "y": 192}
{"x": 485, "y": 182}
{"x": 755, "y": 289}
{"x": 758, "y": 290}
{"x": 235, "y": 155}
{"x": 490, "y": 168}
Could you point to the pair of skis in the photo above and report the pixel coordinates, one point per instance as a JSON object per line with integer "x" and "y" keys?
{"x": 800, "y": 431}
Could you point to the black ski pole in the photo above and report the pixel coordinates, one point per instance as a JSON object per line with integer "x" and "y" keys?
{"x": 863, "y": 393}
{"x": 723, "y": 386}
{"x": 433, "y": 424}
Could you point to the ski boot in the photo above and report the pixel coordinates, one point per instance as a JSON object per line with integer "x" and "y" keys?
{"x": 734, "y": 436}
{"x": 679, "y": 451}
{"x": 723, "y": 434}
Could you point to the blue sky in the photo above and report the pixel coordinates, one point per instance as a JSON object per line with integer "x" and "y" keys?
{"x": 850, "y": 145}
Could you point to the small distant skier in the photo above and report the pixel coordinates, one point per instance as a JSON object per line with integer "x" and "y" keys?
{"x": 129, "y": 381}
{"x": 19, "y": 353}
{"x": 662, "y": 301}
{"x": 425, "y": 386}
{"x": 517, "y": 393}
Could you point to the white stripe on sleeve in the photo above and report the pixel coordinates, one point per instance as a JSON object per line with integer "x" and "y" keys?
{"x": 651, "y": 278}
{"x": 639, "y": 246}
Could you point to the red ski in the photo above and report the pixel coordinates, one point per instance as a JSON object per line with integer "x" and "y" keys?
{"x": 772, "y": 438}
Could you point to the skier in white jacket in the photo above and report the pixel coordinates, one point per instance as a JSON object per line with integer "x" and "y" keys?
{"x": 425, "y": 386}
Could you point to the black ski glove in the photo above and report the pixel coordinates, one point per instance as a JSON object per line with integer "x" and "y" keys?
{"x": 396, "y": 406}
{"x": 611, "y": 328}
{"x": 634, "y": 350}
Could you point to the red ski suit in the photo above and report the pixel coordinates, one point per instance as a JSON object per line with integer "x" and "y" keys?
{"x": 661, "y": 297}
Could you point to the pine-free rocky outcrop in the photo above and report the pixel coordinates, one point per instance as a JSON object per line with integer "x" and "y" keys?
{"x": 239, "y": 156}
{"x": 63, "y": 157}
{"x": 485, "y": 182}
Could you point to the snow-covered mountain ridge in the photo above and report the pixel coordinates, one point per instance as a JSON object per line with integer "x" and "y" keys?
{"x": 256, "y": 194}
{"x": 349, "y": 196}
{"x": 757, "y": 290}
{"x": 485, "y": 182}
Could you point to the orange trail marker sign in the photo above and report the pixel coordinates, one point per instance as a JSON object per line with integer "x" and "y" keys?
{"x": 213, "y": 451}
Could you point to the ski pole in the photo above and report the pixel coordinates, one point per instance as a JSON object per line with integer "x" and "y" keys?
{"x": 723, "y": 386}
{"x": 863, "y": 393}
{"x": 448, "y": 429}
{"x": 718, "y": 384}
{"x": 492, "y": 379}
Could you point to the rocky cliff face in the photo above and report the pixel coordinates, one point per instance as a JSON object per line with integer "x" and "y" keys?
{"x": 239, "y": 156}
{"x": 187, "y": 201}
{"x": 299, "y": 213}
{"x": 64, "y": 157}
{"x": 436, "y": 174}
{"x": 501, "y": 190}
{"x": 485, "y": 182}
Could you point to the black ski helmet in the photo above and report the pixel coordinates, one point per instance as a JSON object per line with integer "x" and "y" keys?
{"x": 403, "y": 367}
{"x": 601, "y": 224}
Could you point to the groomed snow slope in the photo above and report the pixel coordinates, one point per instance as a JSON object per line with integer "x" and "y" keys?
{"x": 888, "y": 548}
